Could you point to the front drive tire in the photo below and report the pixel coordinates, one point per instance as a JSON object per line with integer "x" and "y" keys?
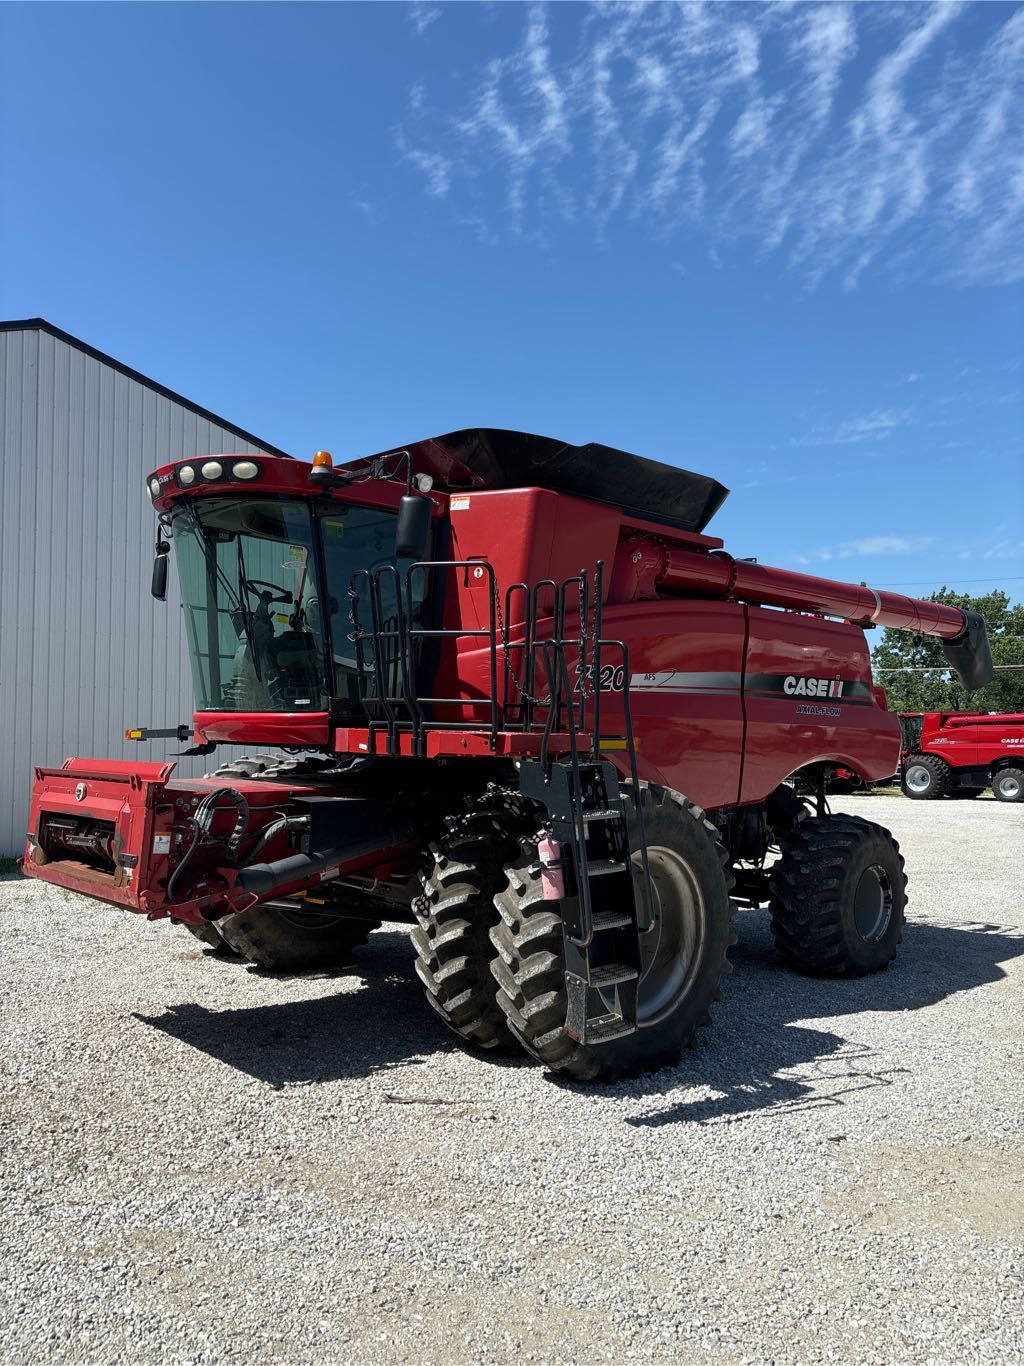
{"x": 209, "y": 936}
{"x": 456, "y": 911}
{"x": 684, "y": 953}
{"x": 838, "y": 897}
{"x": 290, "y": 937}
{"x": 1008, "y": 785}
{"x": 285, "y": 936}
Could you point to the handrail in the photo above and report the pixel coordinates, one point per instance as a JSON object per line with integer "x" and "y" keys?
{"x": 512, "y": 702}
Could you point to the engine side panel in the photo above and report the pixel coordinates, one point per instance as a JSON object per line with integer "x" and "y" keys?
{"x": 686, "y": 663}
{"x": 809, "y": 698}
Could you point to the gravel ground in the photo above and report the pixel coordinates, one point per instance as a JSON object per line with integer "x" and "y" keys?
{"x": 201, "y": 1163}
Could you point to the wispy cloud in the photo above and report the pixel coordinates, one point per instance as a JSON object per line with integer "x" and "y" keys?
{"x": 866, "y": 546}
{"x": 533, "y": 131}
{"x": 436, "y": 168}
{"x": 844, "y": 138}
{"x": 421, "y": 16}
{"x": 1005, "y": 549}
{"x": 875, "y": 426}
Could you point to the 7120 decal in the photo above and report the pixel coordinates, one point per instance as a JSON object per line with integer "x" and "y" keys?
{"x": 613, "y": 678}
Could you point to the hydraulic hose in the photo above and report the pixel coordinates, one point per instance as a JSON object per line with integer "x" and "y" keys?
{"x": 275, "y": 828}
{"x": 201, "y": 820}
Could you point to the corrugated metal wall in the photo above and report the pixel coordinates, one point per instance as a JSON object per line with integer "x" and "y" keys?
{"x": 84, "y": 649}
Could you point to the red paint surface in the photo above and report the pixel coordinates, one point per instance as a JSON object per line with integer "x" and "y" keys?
{"x": 310, "y": 729}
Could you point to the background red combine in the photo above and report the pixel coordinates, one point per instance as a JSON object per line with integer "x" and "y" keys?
{"x": 961, "y": 753}
{"x": 527, "y": 705}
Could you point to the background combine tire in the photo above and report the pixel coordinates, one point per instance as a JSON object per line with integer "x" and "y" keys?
{"x": 456, "y": 912}
{"x": 925, "y": 777}
{"x": 1008, "y": 785}
{"x": 838, "y": 897}
{"x": 684, "y": 953}
{"x": 291, "y": 937}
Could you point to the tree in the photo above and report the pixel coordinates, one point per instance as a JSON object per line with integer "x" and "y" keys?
{"x": 914, "y": 672}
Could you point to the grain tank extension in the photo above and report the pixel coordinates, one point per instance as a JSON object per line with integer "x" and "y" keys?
{"x": 511, "y": 692}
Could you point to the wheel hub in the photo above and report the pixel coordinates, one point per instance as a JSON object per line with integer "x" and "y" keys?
{"x": 671, "y": 949}
{"x": 919, "y": 778}
{"x": 873, "y": 903}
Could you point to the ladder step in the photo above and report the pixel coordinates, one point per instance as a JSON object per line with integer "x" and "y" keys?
{"x": 608, "y": 1027}
{"x": 610, "y": 920}
{"x": 600, "y": 867}
{"x": 612, "y": 974}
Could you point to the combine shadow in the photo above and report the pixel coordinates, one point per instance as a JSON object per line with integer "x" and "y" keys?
{"x": 756, "y": 1057}
{"x": 340, "y": 1036}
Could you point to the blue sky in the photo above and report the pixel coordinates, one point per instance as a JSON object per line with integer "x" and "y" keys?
{"x": 779, "y": 244}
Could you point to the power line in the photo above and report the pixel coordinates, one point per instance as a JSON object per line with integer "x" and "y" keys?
{"x": 923, "y": 583}
{"x": 933, "y": 668}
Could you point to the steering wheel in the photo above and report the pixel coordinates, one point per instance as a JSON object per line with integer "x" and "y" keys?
{"x": 275, "y": 595}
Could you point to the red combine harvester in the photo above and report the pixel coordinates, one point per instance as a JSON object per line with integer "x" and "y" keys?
{"x": 529, "y": 707}
{"x": 960, "y": 753}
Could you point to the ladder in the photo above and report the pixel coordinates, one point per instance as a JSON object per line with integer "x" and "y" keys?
{"x": 588, "y": 853}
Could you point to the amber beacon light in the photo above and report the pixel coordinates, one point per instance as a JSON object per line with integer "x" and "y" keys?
{"x": 323, "y": 468}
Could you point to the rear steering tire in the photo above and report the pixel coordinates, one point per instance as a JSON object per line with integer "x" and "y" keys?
{"x": 838, "y": 897}
{"x": 1008, "y": 785}
{"x": 684, "y": 954}
{"x": 926, "y": 777}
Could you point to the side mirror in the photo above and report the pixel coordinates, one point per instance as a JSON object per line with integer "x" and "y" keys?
{"x": 159, "y": 585}
{"x": 412, "y": 534}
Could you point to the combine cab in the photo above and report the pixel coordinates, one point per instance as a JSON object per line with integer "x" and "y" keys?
{"x": 520, "y": 699}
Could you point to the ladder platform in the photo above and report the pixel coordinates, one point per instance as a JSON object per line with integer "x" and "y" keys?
{"x": 605, "y": 1028}
{"x": 612, "y": 974}
{"x": 611, "y": 920}
{"x": 602, "y": 867}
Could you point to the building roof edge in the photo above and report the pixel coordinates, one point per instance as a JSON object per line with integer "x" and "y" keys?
{"x": 41, "y": 325}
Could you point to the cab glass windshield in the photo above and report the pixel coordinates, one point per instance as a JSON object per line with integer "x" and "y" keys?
{"x": 249, "y": 590}
{"x": 255, "y": 609}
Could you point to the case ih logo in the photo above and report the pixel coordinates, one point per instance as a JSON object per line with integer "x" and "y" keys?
{"x": 793, "y": 686}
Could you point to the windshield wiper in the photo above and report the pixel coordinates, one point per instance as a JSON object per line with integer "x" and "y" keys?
{"x": 245, "y": 611}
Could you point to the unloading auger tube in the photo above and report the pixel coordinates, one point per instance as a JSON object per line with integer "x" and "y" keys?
{"x": 661, "y": 569}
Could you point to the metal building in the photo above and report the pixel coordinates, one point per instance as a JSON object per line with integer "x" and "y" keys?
{"x": 84, "y": 649}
